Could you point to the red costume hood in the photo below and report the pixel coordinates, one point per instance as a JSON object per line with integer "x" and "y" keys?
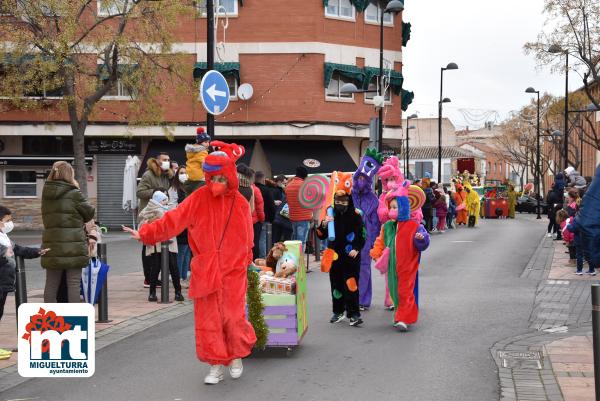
{"x": 222, "y": 162}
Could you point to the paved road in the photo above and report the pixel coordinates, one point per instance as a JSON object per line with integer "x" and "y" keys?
{"x": 471, "y": 297}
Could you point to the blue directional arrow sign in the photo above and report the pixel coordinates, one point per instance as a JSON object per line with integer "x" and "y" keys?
{"x": 214, "y": 92}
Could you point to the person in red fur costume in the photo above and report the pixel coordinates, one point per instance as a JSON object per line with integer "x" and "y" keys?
{"x": 220, "y": 234}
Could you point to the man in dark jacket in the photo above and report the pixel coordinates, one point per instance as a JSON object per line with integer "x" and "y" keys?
{"x": 269, "y": 206}
{"x": 157, "y": 177}
{"x": 282, "y": 226}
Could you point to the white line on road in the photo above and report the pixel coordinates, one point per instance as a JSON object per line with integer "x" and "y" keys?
{"x": 461, "y": 241}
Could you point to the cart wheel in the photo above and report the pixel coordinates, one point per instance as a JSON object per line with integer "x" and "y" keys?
{"x": 288, "y": 352}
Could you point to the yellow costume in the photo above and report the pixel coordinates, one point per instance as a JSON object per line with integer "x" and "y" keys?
{"x": 473, "y": 203}
{"x": 512, "y": 201}
{"x": 195, "y": 155}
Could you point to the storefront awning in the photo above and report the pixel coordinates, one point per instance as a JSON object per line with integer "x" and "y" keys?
{"x": 227, "y": 69}
{"x": 41, "y": 161}
{"x": 318, "y": 157}
{"x": 176, "y": 150}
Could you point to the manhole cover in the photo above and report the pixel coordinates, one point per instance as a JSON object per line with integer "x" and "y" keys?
{"x": 521, "y": 359}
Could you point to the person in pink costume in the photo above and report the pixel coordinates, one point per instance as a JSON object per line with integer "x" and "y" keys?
{"x": 391, "y": 178}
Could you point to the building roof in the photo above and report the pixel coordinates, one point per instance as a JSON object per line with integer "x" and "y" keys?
{"x": 431, "y": 152}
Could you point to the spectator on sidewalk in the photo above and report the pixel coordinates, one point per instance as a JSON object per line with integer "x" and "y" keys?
{"x": 157, "y": 177}
{"x": 554, "y": 202}
{"x": 8, "y": 251}
{"x": 299, "y": 216}
{"x": 155, "y": 210}
{"x": 65, "y": 211}
{"x": 574, "y": 179}
{"x": 244, "y": 176}
{"x": 451, "y": 210}
{"x": 282, "y": 226}
{"x": 269, "y": 208}
{"x": 184, "y": 254}
{"x": 258, "y": 219}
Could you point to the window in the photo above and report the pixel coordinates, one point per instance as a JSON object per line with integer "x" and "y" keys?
{"x": 233, "y": 85}
{"x": 335, "y": 84}
{"x": 222, "y": 7}
{"x": 120, "y": 90}
{"x": 423, "y": 167}
{"x": 48, "y": 146}
{"x": 373, "y": 14}
{"x": 20, "y": 184}
{"x": 44, "y": 87}
{"x": 112, "y": 7}
{"x": 373, "y": 86}
{"x": 340, "y": 9}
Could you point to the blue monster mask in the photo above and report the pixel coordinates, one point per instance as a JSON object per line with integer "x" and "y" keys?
{"x": 367, "y": 170}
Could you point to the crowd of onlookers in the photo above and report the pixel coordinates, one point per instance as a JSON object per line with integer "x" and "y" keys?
{"x": 564, "y": 203}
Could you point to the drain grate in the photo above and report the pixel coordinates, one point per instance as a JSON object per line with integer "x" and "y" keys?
{"x": 521, "y": 359}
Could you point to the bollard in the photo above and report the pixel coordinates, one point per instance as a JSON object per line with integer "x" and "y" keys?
{"x": 164, "y": 272}
{"x": 317, "y": 242}
{"x": 21, "y": 284}
{"x": 103, "y": 299}
{"x": 596, "y": 335}
{"x": 269, "y": 236}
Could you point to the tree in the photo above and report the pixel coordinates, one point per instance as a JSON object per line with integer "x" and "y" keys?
{"x": 68, "y": 55}
{"x": 573, "y": 25}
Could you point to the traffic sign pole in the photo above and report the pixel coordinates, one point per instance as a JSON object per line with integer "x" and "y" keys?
{"x": 210, "y": 57}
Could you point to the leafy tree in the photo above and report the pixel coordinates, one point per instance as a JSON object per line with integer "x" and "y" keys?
{"x": 69, "y": 55}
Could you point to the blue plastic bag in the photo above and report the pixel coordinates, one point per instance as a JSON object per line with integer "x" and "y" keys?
{"x": 93, "y": 277}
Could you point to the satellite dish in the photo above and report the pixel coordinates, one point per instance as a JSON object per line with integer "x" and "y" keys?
{"x": 245, "y": 91}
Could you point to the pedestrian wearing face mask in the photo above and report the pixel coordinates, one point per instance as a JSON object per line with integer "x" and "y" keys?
{"x": 155, "y": 210}
{"x": 157, "y": 177}
{"x": 184, "y": 254}
{"x": 345, "y": 270}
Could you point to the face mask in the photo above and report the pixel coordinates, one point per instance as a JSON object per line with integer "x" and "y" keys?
{"x": 8, "y": 227}
{"x": 218, "y": 188}
{"x": 393, "y": 214}
{"x": 183, "y": 178}
{"x": 340, "y": 208}
{"x": 165, "y": 166}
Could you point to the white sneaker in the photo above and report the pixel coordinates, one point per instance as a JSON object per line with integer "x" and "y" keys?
{"x": 401, "y": 326}
{"x": 215, "y": 375}
{"x": 549, "y": 235}
{"x": 236, "y": 368}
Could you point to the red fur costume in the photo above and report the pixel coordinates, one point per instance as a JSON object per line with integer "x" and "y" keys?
{"x": 221, "y": 238}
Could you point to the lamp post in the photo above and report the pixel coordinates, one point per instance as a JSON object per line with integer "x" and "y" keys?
{"x": 394, "y": 6}
{"x": 408, "y": 127}
{"x": 210, "y": 57}
{"x": 450, "y": 66}
{"x": 558, "y": 49}
{"x": 537, "y": 160}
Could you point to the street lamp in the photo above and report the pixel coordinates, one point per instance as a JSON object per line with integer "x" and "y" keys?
{"x": 537, "y": 161}
{"x": 408, "y": 127}
{"x": 450, "y": 66}
{"x": 394, "y": 6}
{"x": 557, "y": 49}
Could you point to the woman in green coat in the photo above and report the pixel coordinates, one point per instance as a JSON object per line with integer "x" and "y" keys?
{"x": 64, "y": 213}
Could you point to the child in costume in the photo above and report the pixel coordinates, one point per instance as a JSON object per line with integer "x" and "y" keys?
{"x": 365, "y": 199}
{"x": 342, "y": 256}
{"x": 563, "y": 220}
{"x": 391, "y": 177}
{"x": 441, "y": 210}
{"x": 473, "y": 204}
{"x": 196, "y": 154}
{"x": 155, "y": 210}
{"x": 460, "y": 199}
{"x": 401, "y": 240}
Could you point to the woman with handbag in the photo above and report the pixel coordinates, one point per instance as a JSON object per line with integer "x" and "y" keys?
{"x": 65, "y": 211}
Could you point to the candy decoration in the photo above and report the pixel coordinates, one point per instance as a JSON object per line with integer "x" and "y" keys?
{"x": 528, "y": 187}
{"x": 312, "y": 192}
{"x": 416, "y": 197}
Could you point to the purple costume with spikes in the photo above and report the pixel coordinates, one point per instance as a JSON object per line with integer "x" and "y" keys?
{"x": 366, "y": 200}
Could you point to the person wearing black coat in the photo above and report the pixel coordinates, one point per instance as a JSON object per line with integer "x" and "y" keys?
{"x": 269, "y": 207}
{"x": 554, "y": 200}
{"x": 282, "y": 226}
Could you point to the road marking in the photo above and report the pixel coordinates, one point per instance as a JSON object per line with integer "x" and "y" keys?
{"x": 558, "y": 329}
{"x": 461, "y": 241}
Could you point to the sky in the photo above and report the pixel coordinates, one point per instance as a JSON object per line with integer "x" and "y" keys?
{"x": 485, "y": 38}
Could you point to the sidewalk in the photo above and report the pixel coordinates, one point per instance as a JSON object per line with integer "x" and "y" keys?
{"x": 554, "y": 361}
{"x": 128, "y": 309}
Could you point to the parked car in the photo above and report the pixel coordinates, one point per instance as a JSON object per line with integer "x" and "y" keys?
{"x": 528, "y": 204}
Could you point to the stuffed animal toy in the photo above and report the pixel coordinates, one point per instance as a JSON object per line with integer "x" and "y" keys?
{"x": 287, "y": 265}
{"x": 270, "y": 263}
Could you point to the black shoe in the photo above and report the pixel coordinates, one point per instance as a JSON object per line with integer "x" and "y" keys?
{"x": 355, "y": 321}
{"x": 336, "y": 318}
{"x": 152, "y": 296}
{"x": 179, "y": 297}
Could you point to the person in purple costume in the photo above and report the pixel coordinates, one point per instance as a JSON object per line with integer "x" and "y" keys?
{"x": 365, "y": 199}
